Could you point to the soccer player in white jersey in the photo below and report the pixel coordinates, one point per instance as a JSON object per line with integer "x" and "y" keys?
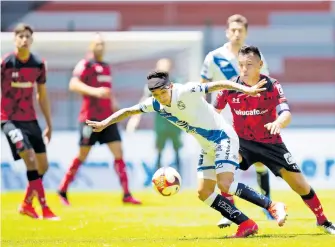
{"x": 185, "y": 107}
{"x": 221, "y": 64}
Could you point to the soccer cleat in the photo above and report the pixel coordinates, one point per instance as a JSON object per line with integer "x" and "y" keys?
{"x": 245, "y": 229}
{"x": 224, "y": 222}
{"x": 131, "y": 200}
{"x": 278, "y": 211}
{"x": 327, "y": 227}
{"x": 63, "y": 198}
{"x": 48, "y": 214}
{"x": 267, "y": 214}
{"x": 28, "y": 209}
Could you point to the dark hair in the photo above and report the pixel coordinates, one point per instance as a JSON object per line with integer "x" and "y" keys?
{"x": 158, "y": 74}
{"x": 21, "y": 27}
{"x": 238, "y": 18}
{"x": 158, "y": 79}
{"x": 250, "y": 49}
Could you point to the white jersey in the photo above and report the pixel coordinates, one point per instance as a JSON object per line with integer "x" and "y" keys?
{"x": 221, "y": 64}
{"x": 190, "y": 112}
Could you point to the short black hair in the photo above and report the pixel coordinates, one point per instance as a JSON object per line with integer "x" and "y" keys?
{"x": 158, "y": 79}
{"x": 247, "y": 49}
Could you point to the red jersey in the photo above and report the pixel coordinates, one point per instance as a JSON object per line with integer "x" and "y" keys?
{"x": 18, "y": 79}
{"x": 250, "y": 114}
{"x": 94, "y": 74}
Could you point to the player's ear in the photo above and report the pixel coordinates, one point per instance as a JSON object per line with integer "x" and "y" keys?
{"x": 261, "y": 63}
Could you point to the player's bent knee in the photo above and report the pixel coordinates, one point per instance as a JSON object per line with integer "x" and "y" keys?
{"x": 83, "y": 153}
{"x": 42, "y": 163}
{"x": 224, "y": 180}
{"x": 29, "y": 158}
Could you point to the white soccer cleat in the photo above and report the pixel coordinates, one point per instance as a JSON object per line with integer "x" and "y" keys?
{"x": 327, "y": 227}
{"x": 278, "y": 211}
{"x": 224, "y": 222}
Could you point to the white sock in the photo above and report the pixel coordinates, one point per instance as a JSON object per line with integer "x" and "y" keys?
{"x": 209, "y": 201}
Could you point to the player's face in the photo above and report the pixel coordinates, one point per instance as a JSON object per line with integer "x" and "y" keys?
{"x": 236, "y": 33}
{"x": 249, "y": 65}
{"x": 162, "y": 95}
{"x": 23, "y": 40}
{"x": 98, "y": 47}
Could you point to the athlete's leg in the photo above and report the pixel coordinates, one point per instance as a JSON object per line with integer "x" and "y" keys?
{"x": 120, "y": 168}
{"x": 72, "y": 171}
{"x": 299, "y": 184}
{"x": 226, "y": 162}
{"x": 207, "y": 194}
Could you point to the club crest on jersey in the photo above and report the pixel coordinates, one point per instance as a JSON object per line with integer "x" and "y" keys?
{"x": 98, "y": 69}
{"x": 181, "y": 105}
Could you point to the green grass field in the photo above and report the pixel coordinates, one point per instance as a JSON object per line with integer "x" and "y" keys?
{"x": 182, "y": 220}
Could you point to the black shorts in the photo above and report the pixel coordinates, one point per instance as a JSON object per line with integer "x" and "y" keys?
{"x": 23, "y": 135}
{"x": 89, "y": 138}
{"x": 274, "y": 156}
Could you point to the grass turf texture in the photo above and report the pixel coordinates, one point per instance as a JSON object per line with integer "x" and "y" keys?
{"x": 100, "y": 219}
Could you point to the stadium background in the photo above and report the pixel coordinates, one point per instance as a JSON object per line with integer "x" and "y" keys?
{"x": 297, "y": 39}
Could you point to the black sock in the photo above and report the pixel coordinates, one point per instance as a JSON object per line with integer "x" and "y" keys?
{"x": 249, "y": 194}
{"x": 32, "y": 175}
{"x": 227, "y": 209}
{"x": 263, "y": 180}
{"x": 158, "y": 162}
{"x": 177, "y": 160}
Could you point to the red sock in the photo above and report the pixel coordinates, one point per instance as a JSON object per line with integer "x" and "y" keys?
{"x": 312, "y": 201}
{"x": 32, "y": 175}
{"x": 120, "y": 168}
{"x": 38, "y": 189}
{"x": 69, "y": 176}
{"x": 229, "y": 197}
{"x": 29, "y": 196}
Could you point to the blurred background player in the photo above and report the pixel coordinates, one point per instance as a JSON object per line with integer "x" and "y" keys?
{"x": 19, "y": 72}
{"x": 222, "y": 64}
{"x": 164, "y": 130}
{"x": 260, "y": 121}
{"x": 92, "y": 79}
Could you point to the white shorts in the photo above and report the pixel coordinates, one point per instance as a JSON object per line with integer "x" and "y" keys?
{"x": 221, "y": 158}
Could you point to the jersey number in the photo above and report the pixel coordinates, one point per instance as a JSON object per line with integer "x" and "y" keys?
{"x": 15, "y": 135}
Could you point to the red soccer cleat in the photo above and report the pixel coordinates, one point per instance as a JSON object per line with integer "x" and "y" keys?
{"x": 131, "y": 200}
{"x": 246, "y": 229}
{"x": 28, "y": 209}
{"x": 48, "y": 214}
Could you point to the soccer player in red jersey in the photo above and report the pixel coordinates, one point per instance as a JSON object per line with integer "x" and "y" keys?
{"x": 92, "y": 79}
{"x": 258, "y": 122}
{"x": 20, "y": 72}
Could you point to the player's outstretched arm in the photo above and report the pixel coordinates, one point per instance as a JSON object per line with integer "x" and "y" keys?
{"x": 281, "y": 122}
{"x": 77, "y": 86}
{"x": 229, "y": 85}
{"x": 114, "y": 118}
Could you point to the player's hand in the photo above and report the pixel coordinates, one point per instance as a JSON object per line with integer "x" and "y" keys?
{"x": 273, "y": 127}
{"x": 256, "y": 89}
{"x": 47, "y": 134}
{"x": 97, "y": 126}
{"x": 102, "y": 92}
